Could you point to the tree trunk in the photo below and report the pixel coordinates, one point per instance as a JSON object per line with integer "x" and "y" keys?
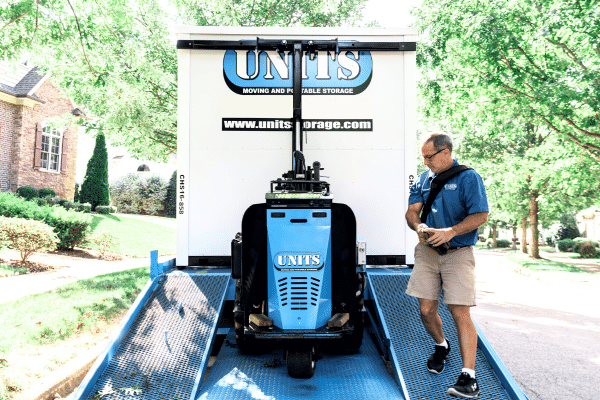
{"x": 494, "y": 233}
{"x": 524, "y": 235}
{"x": 533, "y": 225}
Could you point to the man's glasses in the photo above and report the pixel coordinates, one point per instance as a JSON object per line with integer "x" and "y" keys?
{"x": 433, "y": 155}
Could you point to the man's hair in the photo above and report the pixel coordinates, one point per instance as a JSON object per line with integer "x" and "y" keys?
{"x": 440, "y": 141}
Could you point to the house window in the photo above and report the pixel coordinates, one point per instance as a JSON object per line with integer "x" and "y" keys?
{"x": 51, "y": 149}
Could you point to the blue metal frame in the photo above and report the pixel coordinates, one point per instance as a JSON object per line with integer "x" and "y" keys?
{"x": 385, "y": 337}
{"x": 382, "y": 333}
{"x": 85, "y": 388}
{"x": 157, "y": 268}
{"x": 380, "y": 330}
{"x": 87, "y": 385}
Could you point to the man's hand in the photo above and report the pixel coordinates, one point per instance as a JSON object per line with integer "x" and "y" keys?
{"x": 423, "y": 236}
{"x": 437, "y": 237}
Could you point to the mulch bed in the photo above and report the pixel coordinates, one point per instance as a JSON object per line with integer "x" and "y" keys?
{"x": 54, "y": 264}
{"x": 32, "y": 267}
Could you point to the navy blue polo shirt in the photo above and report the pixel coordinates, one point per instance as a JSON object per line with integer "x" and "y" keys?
{"x": 463, "y": 195}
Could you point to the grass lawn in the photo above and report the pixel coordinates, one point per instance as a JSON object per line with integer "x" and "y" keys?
{"x": 543, "y": 265}
{"x": 47, "y": 323}
{"x": 137, "y": 237}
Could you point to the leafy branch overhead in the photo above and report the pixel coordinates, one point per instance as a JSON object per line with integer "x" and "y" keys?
{"x": 117, "y": 58}
{"x": 537, "y": 59}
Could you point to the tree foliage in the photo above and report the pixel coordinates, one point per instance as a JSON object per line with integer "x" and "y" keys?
{"x": 117, "y": 58}
{"x": 519, "y": 81}
{"x": 95, "y": 189}
{"x": 537, "y": 59}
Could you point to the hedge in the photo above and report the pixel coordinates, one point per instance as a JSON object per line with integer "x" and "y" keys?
{"x": 70, "y": 226}
{"x": 44, "y": 192}
{"x": 28, "y": 192}
{"x": 565, "y": 245}
{"x": 500, "y": 243}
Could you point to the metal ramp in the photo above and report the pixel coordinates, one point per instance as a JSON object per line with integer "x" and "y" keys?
{"x": 360, "y": 376}
{"x": 410, "y": 345}
{"x": 165, "y": 350}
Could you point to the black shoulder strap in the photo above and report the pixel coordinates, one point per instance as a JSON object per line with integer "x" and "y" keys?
{"x": 436, "y": 187}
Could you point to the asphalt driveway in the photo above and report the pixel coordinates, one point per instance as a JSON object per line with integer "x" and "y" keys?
{"x": 545, "y": 327}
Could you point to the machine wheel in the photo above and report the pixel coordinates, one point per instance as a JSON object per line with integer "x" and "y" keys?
{"x": 301, "y": 361}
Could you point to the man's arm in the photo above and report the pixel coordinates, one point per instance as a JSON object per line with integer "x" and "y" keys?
{"x": 444, "y": 235}
{"x": 413, "y": 219}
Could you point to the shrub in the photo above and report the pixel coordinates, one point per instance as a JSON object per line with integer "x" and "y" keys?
{"x": 580, "y": 240}
{"x": 586, "y": 249}
{"x": 106, "y": 209}
{"x": 86, "y": 208}
{"x": 28, "y": 192}
{"x": 28, "y": 236}
{"x": 12, "y": 206}
{"x": 136, "y": 195}
{"x": 68, "y": 205}
{"x": 70, "y": 226}
{"x": 41, "y": 201}
{"x": 105, "y": 241}
{"x": 45, "y": 192}
{"x": 549, "y": 240}
{"x": 565, "y": 245}
{"x": 503, "y": 243}
{"x": 171, "y": 197}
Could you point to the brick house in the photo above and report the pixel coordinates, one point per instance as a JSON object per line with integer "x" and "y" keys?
{"x": 35, "y": 149}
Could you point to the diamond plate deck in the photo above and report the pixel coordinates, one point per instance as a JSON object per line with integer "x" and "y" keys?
{"x": 411, "y": 345}
{"x": 165, "y": 352}
{"x": 361, "y": 376}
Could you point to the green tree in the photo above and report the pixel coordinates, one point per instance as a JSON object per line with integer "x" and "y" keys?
{"x": 117, "y": 57}
{"x": 95, "y": 189}
{"x": 518, "y": 81}
{"x": 539, "y": 59}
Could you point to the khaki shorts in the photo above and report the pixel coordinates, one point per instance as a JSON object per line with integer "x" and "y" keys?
{"x": 452, "y": 273}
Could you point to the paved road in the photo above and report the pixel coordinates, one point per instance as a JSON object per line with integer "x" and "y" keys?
{"x": 545, "y": 328}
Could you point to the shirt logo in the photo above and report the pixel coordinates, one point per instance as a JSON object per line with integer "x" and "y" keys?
{"x": 450, "y": 186}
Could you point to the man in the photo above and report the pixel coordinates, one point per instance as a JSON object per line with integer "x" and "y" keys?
{"x": 456, "y": 213}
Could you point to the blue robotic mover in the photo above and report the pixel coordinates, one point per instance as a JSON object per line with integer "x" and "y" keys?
{"x": 295, "y": 263}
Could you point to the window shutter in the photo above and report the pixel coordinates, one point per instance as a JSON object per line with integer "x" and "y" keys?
{"x": 63, "y": 156}
{"x": 37, "y": 159}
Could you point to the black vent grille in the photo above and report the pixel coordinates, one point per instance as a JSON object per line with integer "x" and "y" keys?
{"x": 298, "y": 292}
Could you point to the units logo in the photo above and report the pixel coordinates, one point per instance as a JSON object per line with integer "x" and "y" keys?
{"x": 295, "y": 261}
{"x": 270, "y": 72}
